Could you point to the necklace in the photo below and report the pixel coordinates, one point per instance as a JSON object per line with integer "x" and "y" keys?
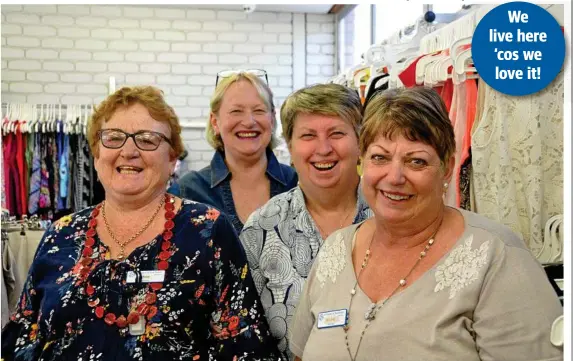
{"x": 145, "y": 305}
{"x": 137, "y": 234}
{"x": 371, "y": 311}
{"x": 341, "y": 224}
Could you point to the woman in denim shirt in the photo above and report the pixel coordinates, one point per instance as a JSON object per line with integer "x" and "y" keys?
{"x": 244, "y": 172}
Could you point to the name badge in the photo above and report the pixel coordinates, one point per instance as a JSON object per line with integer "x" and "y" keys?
{"x": 330, "y": 319}
{"x": 146, "y": 276}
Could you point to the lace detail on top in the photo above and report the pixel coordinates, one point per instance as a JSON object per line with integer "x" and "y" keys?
{"x": 331, "y": 260}
{"x": 517, "y": 158}
{"x": 461, "y": 268}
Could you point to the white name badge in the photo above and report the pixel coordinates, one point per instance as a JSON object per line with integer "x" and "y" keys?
{"x": 146, "y": 276}
{"x": 330, "y": 319}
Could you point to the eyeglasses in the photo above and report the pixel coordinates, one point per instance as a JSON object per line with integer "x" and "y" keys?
{"x": 144, "y": 139}
{"x": 256, "y": 72}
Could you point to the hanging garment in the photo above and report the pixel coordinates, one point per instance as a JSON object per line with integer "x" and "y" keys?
{"x": 52, "y": 163}
{"x": 463, "y": 109}
{"x": 517, "y": 158}
{"x": 78, "y": 178}
{"x": 4, "y": 280}
{"x": 13, "y": 280}
{"x": 88, "y": 174}
{"x": 408, "y": 75}
{"x": 35, "y": 178}
{"x": 457, "y": 117}
{"x": 29, "y": 155}
{"x": 62, "y": 170}
{"x": 44, "y": 201}
{"x": 21, "y": 163}
{"x": 464, "y": 172}
{"x": 18, "y": 254}
{"x": 12, "y": 181}
{"x": 447, "y": 92}
{"x": 69, "y": 171}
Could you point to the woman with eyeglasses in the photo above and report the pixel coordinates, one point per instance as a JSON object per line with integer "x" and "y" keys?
{"x": 244, "y": 172}
{"x": 144, "y": 275}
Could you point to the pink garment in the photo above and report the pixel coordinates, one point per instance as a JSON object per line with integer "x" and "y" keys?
{"x": 461, "y": 114}
{"x": 11, "y": 181}
{"x": 21, "y": 163}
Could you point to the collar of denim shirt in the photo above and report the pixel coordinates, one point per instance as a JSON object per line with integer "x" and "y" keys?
{"x": 220, "y": 171}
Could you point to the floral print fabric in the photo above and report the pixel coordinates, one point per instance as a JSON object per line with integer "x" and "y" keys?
{"x": 207, "y": 309}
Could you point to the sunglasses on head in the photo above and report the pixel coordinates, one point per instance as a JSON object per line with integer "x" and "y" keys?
{"x": 256, "y": 72}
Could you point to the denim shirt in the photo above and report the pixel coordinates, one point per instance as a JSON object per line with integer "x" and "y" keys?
{"x": 212, "y": 184}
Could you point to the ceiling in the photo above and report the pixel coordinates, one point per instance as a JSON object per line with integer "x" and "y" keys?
{"x": 294, "y": 8}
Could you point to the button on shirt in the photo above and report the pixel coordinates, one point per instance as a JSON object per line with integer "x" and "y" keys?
{"x": 212, "y": 184}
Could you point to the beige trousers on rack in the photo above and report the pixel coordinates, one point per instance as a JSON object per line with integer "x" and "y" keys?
{"x": 17, "y": 257}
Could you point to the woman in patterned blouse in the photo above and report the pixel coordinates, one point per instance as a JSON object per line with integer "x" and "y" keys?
{"x": 144, "y": 275}
{"x": 320, "y": 125}
{"x": 420, "y": 280}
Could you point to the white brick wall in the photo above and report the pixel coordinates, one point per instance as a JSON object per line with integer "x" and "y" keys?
{"x": 319, "y": 48}
{"x": 66, "y": 53}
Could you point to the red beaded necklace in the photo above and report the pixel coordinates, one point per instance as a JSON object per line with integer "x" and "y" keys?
{"x": 145, "y": 308}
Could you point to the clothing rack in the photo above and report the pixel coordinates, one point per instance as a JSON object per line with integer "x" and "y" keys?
{"x": 33, "y": 223}
{"x": 48, "y": 169}
{"x": 28, "y": 118}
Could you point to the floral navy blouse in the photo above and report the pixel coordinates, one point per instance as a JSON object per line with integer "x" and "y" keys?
{"x": 206, "y": 309}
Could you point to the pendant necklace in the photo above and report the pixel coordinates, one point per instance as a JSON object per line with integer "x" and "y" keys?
{"x": 341, "y": 224}
{"x": 122, "y": 245}
{"x": 141, "y": 311}
{"x": 373, "y": 308}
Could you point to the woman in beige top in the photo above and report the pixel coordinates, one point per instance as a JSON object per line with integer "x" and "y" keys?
{"x": 421, "y": 281}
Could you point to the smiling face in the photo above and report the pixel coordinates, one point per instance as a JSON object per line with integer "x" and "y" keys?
{"x": 324, "y": 151}
{"x": 129, "y": 172}
{"x": 403, "y": 179}
{"x": 243, "y": 121}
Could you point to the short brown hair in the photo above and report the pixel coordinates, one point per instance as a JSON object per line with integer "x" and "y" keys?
{"x": 148, "y": 96}
{"x": 265, "y": 93}
{"x": 419, "y": 114}
{"x": 324, "y": 99}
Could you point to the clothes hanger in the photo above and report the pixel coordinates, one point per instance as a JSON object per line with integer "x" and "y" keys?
{"x": 422, "y": 64}
{"x": 544, "y": 254}
{"x": 30, "y": 124}
{"x": 45, "y": 119}
{"x": 14, "y": 123}
{"x": 54, "y": 122}
{"x": 39, "y": 122}
{"x": 60, "y": 121}
{"x": 556, "y": 237}
{"x": 7, "y": 117}
{"x": 87, "y": 120}
{"x": 26, "y": 120}
{"x": 69, "y": 121}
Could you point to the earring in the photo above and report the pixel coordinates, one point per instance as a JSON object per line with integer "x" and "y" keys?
{"x": 445, "y": 187}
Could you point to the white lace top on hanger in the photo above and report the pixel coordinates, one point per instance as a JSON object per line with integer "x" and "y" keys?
{"x": 517, "y": 158}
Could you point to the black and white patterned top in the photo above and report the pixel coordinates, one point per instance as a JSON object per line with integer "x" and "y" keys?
{"x": 281, "y": 241}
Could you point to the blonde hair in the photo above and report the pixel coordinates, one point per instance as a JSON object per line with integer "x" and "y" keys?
{"x": 418, "y": 114}
{"x": 324, "y": 99}
{"x": 262, "y": 88}
{"x": 148, "y": 96}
